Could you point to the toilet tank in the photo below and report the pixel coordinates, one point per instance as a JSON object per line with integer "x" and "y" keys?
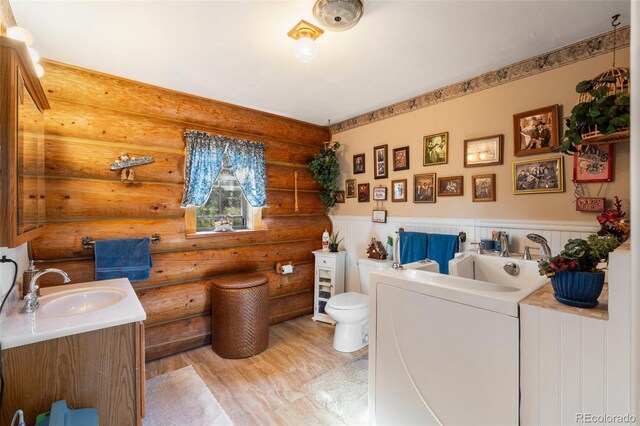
{"x": 367, "y": 266}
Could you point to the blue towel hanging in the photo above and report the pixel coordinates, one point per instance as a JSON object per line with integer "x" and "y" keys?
{"x": 124, "y": 258}
{"x": 442, "y": 248}
{"x": 413, "y": 246}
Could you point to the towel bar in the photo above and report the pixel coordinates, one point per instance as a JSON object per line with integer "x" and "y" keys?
{"x": 88, "y": 242}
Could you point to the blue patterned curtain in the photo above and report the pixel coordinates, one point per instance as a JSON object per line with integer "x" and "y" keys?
{"x": 202, "y": 165}
{"x": 247, "y": 164}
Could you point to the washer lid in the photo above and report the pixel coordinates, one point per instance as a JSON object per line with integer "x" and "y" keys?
{"x": 349, "y": 300}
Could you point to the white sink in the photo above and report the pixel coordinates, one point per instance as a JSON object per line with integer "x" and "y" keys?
{"x": 80, "y": 301}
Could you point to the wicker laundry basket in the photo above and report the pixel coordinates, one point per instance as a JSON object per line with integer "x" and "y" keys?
{"x": 240, "y": 315}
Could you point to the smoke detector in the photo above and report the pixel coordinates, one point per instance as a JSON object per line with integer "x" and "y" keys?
{"x": 338, "y": 15}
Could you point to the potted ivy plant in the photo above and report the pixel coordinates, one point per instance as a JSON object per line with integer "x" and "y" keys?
{"x": 326, "y": 172}
{"x": 599, "y": 110}
{"x": 576, "y": 273}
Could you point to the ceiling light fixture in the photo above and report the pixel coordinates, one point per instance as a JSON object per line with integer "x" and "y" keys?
{"x": 305, "y": 34}
{"x": 338, "y": 15}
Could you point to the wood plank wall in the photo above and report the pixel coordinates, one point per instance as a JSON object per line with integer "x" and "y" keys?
{"x": 95, "y": 117}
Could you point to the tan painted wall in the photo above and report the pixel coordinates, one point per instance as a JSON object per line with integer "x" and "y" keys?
{"x": 484, "y": 113}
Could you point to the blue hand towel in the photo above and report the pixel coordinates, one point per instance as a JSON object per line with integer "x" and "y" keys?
{"x": 413, "y": 246}
{"x": 442, "y": 248}
{"x": 126, "y": 258}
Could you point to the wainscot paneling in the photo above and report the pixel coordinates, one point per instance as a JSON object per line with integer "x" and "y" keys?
{"x": 94, "y": 118}
{"x": 573, "y": 366}
{"x": 358, "y": 231}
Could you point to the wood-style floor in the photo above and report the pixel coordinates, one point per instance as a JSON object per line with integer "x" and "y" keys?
{"x": 267, "y": 388}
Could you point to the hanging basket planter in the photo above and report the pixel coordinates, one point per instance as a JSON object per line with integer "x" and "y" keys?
{"x": 616, "y": 82}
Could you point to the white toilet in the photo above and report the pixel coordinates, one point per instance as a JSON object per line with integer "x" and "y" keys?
{"x": 351, "y": 310}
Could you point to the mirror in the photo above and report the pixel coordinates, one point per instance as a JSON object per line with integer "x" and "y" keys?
{"x": 30, "y": 162}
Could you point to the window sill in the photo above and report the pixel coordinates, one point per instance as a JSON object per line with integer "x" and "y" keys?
{"x": 213, "y": 234}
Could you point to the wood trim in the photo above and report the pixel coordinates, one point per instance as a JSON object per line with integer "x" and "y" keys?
{"x": 28, "y": 71}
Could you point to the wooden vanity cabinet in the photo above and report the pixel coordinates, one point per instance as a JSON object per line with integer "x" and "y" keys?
{"x": 101, "y": 369}
{"x": 22, "y": 106}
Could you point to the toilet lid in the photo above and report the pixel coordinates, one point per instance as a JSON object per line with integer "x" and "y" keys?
{"x": 348, "y": 301}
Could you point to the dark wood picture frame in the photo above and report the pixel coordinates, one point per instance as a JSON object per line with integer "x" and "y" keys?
{"x": 486, "y": 151}
{"x": 339, "y": 196}
{"x": 397, "y": 197}
{"x": 432, "y": 148}
{"x": 450, "y": 186}
{"x": 379, "y": 193}
{"x": 401, "y": 158}
{"x": 593, "y": 164}
{"x": 537, "y": 175}
{"x": 379, "y": 216}
{"x": 363, "y": 192}
{"x": 351, "y": 188}
{"x": 483, "y": 187}
{"x": 424, "y": 188}
{"x": 535, "y": 131}
{"x": 381, "y": 161}
{"x": 358, "y": 164}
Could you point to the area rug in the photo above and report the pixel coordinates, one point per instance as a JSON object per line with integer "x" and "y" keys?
{"x": 181, "y": 398}
{"x": 343, "y": 391}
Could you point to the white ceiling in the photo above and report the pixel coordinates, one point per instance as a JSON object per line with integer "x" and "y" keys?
{"x": 238, "y": 51}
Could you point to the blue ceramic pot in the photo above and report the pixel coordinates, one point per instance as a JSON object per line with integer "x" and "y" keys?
{"x": 579, "y": 289}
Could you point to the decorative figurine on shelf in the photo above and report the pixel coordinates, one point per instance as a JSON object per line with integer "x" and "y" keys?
{"x": 376, "y": 250}
{"x": 224, "y": 225}
{"x": 125, "y": 164}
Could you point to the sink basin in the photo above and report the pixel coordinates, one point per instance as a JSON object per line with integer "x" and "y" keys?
{"x": 80, "y": 301}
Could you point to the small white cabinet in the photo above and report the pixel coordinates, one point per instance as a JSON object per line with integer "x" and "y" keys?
{"x": 329, "y": 281}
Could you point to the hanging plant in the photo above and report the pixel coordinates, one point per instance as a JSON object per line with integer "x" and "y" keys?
{"x": 326, "y": 172}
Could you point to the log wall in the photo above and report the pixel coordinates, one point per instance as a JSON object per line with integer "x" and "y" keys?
{"x": 94, "y": 118}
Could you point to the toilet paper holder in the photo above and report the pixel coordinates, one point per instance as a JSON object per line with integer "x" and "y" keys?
{"x": 284, "y": 267}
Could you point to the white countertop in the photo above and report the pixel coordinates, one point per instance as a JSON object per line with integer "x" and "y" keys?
{"x": 18, "y": 329}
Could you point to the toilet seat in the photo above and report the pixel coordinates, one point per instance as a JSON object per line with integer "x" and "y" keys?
{"x": 347, "y": 301}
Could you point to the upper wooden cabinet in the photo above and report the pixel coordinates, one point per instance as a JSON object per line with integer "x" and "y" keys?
{"x": 22, "y": 105}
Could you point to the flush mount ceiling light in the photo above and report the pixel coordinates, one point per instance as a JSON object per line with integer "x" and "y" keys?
{"x": 338, "y": 15}
{"x": 305, "y": 35}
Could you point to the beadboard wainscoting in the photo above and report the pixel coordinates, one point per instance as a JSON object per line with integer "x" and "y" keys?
{"x": 358, "y": 231}
{"x": 572, "y": 366}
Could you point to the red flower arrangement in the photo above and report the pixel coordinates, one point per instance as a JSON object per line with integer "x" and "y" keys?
{"x": 613, "y": 222}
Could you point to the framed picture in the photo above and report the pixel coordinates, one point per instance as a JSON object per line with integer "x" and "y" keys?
{"x": 594, "y": 164}
{"x": 485, "y": 151}
{"x": 436, "y": 149}
{"x": 538, "y": 175}
{"x": 424, "y": 188}
{"x": 450, "y": 186}
{"x": 339, "y": 196}
{"x": 379, "y": 216}
{"x": 535, "y": 131}
{"x": 380, "y": 193}
{"x": 358, "y": 164}
{"x": 590, "y": 204}
{"x": 401, "y": 158}
{"x": 363, "y": 192}
{"x": 350, "y": 187}
{"x": 483, "y": 187}
{"x": 399, "y": 190}
{"x": 380, "y": 162}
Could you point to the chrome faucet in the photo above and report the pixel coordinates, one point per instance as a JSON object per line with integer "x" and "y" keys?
{"x": 539, "y": 239}
{"x": 31, "y": 302}
{"x": 504, "y": 244}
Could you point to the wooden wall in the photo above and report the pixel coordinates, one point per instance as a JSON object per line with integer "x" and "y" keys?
{"x": 93, "y": 118}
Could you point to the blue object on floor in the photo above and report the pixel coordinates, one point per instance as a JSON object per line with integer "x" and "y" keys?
{"x": 61, "y": 415}
{"x": 442, "y": 248}
{"x": 413, "y": 246}
{"x": 125, "y": 258}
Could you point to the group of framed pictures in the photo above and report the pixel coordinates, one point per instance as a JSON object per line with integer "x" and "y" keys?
{"x": 535, "y": 132}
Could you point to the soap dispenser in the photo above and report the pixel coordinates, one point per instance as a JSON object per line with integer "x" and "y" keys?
{"x": 26, "y": 278}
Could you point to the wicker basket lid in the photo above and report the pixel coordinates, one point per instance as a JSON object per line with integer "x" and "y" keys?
{"x": 240, "y": 281}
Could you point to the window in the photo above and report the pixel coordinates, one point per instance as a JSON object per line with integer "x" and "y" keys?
{"x": 225, "y": 201}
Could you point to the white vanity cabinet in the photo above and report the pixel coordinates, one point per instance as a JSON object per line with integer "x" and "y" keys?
{"x": 329, "y": 281}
